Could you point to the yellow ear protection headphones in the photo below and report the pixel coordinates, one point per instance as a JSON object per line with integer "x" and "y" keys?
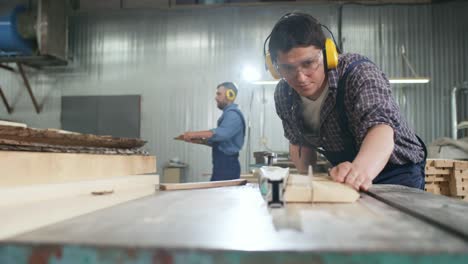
{"x": 230, "y": 94}
{"x": 330, "y": 52}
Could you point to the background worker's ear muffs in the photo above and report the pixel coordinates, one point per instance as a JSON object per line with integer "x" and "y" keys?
{"x": 330, "y": 59}
{"x": 230, "y": 94}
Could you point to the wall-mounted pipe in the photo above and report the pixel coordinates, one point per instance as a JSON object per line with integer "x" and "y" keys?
{"x": 453, "y": 105}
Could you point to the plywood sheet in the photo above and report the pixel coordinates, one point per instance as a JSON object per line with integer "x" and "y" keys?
{"x": 27, "y": 168}
{"x": 26, "y": 217}
{"x": 15, "y": 196}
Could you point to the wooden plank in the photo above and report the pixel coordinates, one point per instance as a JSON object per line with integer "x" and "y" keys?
{"x": 306, "y": 189}
{"x": 461, "y": 165}
{"x": 27, "y": 168}
{"x": 15, "y": 145}
{"x": 429, "y": 163}
{"x": 438, "y": 188}
{"x": 443, "y": 163}
{"x": 14, "y": 196}
{"x": 200, "y": 141}
{"x": 433, "y": 170}
{"x": 445, "y": 212}
{"x": 54, "y": 137}
{"x": 200, "y": 185}
{"x": 26, "y": 217}
{"x": 461, "y": 174}
{"x": 9, "y": 123}
{"x": 237, "y": 219}
{"x": 250, "y": 178}
{"x": 441, "y": 178}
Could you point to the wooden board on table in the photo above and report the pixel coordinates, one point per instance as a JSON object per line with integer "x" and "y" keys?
{"x": 66, "y": 138}
{"x": 14, "y": 196}
{"x": 26, "y": 168}
{"x": 22, "y": 218}
{"x": 447, "y": 212}
{"x": 306, "y": 189}
{"x": 200, "y": 185}
{"x": 237, "y": 219}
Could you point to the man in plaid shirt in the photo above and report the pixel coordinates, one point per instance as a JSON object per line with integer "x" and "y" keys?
{"x": 348, "y": 114}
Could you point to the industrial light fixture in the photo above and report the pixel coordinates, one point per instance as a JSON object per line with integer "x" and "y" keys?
{"x": 409, "y": 80}
{"x": 273, "y": 82}
{"x": 250, "y": 74}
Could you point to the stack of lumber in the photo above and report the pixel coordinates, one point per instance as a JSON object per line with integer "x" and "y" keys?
{"x": 19, "y": 138}
{"x": 438, "y": 176}
{"x": 459, "y": 181}
{"x": 447, "y": 177}
{"x": 40, "y": 188}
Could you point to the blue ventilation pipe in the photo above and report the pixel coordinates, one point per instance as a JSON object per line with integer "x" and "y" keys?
{"x": 11, "y": 43}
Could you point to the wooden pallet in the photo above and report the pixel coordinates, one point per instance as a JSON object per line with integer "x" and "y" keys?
{"x": 447, "y": 177}
{"x": 20, "y": 168}
{"x": 459, "y": 179}
{"x": 438, "y": 176}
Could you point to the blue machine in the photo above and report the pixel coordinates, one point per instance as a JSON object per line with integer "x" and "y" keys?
{"x": 11, "y": 42}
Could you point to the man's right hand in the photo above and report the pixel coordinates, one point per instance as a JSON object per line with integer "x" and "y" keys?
{"x": 352, "y": 175}
{"x": 188, "y": 136}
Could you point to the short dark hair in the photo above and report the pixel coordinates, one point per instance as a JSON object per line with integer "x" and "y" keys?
{"x": 229, "y": 85}
{"x": 295, "y": 30}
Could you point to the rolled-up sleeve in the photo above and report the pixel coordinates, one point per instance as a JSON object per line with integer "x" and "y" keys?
{"x": 373, "y": 101}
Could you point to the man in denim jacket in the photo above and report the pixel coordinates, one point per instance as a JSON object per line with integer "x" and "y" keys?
{"x": 227, "y": 139}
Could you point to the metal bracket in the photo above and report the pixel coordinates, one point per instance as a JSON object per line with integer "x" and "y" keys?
{"x": 5, "y": 102}
{"x": 26, "y": 83}
{"x": 28, "y": 86}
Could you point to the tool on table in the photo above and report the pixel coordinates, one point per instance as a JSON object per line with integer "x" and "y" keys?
{"x": 273, "y": 181}
{"x": 278, "y": 187}
{"x": 200, "y": 185}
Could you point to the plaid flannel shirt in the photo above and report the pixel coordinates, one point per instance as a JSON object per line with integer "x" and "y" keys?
{"x": 368, "y": 102}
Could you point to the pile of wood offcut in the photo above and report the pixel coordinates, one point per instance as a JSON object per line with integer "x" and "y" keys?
{"x": 447, "y": 177}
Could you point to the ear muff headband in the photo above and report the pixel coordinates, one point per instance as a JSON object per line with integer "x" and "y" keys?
{"x": 230, "y": 94}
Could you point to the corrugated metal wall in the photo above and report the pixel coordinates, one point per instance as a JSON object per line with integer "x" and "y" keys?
{"x": 175, "y": 59}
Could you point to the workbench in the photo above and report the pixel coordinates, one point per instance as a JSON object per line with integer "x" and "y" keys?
{"x": 388, "y": 224}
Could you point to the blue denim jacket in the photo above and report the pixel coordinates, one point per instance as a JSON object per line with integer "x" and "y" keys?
{"x": 230, "y": 133}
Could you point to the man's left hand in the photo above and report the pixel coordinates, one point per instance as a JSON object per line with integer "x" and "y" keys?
{"x": 349, "y": 173}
